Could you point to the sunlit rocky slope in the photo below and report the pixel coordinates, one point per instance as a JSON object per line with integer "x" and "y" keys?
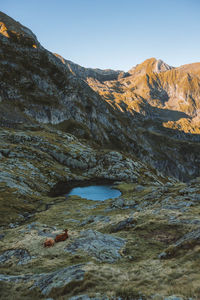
{"x": 62, "y": 124}
{"x": 158, "y": 91}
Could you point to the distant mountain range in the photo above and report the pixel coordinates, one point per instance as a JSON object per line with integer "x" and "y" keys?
{"x": 150, "y": 85}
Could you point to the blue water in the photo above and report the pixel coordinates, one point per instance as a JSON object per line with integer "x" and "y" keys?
{"x": 95, "y": 192}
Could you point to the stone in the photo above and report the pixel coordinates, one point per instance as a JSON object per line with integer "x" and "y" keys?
{"x": 80, "y": 297}
{"x": 2, "y": 236}
{"x": 20, "y": 255}
{"x": 102, "y": 247}
{"x": 162, "y": 255}
{"x": 189, "y": 238}
{"x": 45, "y": 282}
{"x": 139, "y": 188}
{"x": 118, "y": 203}
{"x": 123, "y": 225}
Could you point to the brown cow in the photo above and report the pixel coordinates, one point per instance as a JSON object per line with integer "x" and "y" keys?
{"x": 49, "y": 243}
{"x": 62, "y": 237}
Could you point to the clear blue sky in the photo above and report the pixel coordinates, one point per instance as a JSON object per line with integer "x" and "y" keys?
{"x": 115, "y": 34}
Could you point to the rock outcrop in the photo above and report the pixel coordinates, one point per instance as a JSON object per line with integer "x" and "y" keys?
{"x": 101, "y": 246}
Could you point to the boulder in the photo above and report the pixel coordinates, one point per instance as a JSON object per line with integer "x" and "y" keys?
{"x": 103, "y": 247}
{"x": 123, "y": 225}
{"x": 45, "y": 282}
{"x": 20, "y": 255}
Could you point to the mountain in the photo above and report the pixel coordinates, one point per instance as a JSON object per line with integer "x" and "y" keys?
{"x": 158, "y": 91}
{"x": 64, "y": 126}
{"x": 39, "y": 88}
{"x": 150, "y": 65}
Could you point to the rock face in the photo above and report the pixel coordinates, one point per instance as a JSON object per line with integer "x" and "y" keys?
{"x": 46, "y": 282}
{"x": 21, "y": 255}
{"x": 187, "y": 241}
{"x": 101, "y": 246}
{"x": 57, "y": 279}
{"x": 36, "y": 86}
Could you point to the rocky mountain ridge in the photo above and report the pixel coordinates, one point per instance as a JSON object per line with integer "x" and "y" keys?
{"x": 98, "y": 74}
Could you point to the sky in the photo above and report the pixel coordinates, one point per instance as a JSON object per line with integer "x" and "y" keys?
{"x": 113, "y": 34}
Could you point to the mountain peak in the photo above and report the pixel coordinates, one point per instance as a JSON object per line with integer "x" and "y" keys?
{"x": 161, "y": 66}
{"x": 151, "y": 65}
